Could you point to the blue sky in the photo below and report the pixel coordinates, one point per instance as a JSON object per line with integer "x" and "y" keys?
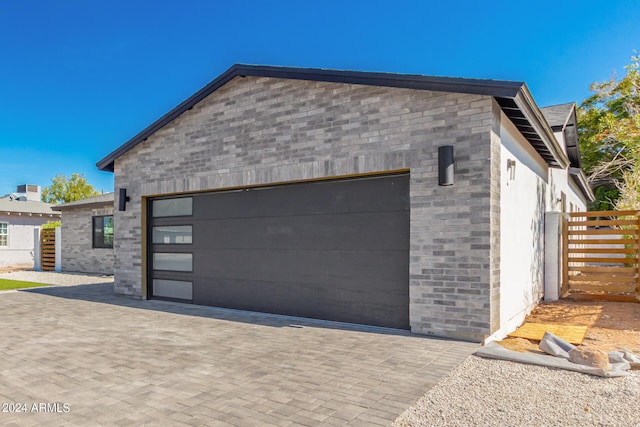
{"x": 78, "y": 78}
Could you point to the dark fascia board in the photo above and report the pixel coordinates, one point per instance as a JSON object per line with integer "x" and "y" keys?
{"x": 525, "y": 102}
{"x": 495, "y": 88}
{"x": 103, "y": 204}
{"x": 570, "y": 131}
{"x": 578, "y": 176}
{"x": 406, "y": 81}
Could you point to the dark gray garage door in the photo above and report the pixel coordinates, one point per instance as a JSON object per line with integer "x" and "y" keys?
{"x": 334, "y": 250}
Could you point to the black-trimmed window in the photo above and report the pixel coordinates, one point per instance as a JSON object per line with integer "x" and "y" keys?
{"x": 103, "y": 231}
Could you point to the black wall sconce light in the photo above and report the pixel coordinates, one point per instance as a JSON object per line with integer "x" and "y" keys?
{"x": 445, "y": 165}
{"x": 123, "y": 199}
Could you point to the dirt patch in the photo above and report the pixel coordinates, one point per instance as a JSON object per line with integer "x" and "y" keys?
{"x": 611, "y": 324}
{"x": 12, "y": 268}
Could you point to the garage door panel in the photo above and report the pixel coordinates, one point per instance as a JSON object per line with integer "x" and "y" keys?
{"x": 172, "y": 275}
{"x": 317, "y": 302}
{"x": 369, "y": 271}
{"x": 334, "y": 250}
{"x": 332, "y": 231}
{"x": 326, "y": 197}
{"x": 172, "y": 248}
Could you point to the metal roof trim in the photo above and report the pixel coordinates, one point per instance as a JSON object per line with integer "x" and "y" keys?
{"x": 581, "y": 181}
{"x": 527, "y": 105}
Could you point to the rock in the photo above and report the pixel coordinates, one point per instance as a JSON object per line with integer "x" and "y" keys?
{"x": 590, "y": 357}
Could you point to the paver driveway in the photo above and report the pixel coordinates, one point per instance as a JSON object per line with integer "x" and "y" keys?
{"x": 120, "y": 361}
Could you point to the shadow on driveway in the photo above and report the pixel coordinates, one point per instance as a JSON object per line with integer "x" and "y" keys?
{"x": 103, "y": 293}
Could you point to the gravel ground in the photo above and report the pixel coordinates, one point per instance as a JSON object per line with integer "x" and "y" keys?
{"x": 60, "y": 279}
{"x": 485, "y": 392}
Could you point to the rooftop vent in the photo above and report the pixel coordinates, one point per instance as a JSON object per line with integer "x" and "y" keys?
{"x": 31, "y": 192}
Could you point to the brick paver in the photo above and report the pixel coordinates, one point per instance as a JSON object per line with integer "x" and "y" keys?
{"x": 119, "y": 361}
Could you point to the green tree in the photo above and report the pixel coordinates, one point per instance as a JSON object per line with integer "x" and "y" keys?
{"x": 609, "y": 129}
{"x": 65, "y": 189}
{"x": 52, "y": 224}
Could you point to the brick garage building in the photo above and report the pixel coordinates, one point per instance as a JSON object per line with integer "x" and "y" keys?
{"x": 316, "y": 193}
{"x": 87, "y": 235}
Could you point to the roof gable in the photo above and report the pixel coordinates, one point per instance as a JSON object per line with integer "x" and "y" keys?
{"x": 514, "y": 98}
{"x": 563, "y": 118}
{"x": 558, "y": 115}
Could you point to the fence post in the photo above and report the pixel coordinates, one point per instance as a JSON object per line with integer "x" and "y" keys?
{"x": 58, "y": 248}
{"x": 37, "y": 257}
{"x": 564, "y": 218}
{"x": 552, "y": 259}
{"x": 638, "y": 258}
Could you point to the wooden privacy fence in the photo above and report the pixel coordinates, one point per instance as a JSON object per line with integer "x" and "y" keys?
{"x": 600, "y": 255}
{"x": 48, "y": 249}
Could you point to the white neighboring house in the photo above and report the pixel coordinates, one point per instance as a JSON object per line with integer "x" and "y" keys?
{"x": 20, "y": 213}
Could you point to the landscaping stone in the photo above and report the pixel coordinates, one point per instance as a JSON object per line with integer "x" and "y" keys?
{"x": 590, "y": 357}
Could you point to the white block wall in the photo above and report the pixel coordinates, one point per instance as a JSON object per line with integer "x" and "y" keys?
{"x": 21, "y": 242}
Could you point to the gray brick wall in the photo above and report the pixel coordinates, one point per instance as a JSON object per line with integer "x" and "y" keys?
{"x": 78, "y": 255}
{"x": 263, "y": 130}
{"x": 494, "y": 223}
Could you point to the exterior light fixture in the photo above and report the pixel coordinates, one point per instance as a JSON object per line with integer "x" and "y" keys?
{"x": 511, "y": 169}
{"x": 123, "y": 199}
{"x": 445, "y": 165}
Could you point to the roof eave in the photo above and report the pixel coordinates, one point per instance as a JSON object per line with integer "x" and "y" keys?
{"x": 580, "y": 179}
{"x": 406, "y": 81}
{"x": 72, "y": 205}
{"x": 572, "y": 141}
{"x": 524, "y": 100}
{"x": 101, "y": 200}
{"x": 5, "y": 211}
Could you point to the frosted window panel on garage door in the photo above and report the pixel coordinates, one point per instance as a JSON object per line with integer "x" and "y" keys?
{"x": 173, "y": 262}
{"x": 173, "y": 235}
{"x": 173, "y": 289}
{"x": 182, "y": 206}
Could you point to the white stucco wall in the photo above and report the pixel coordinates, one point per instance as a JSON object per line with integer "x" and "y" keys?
{"x": 523, "y": 200}
{"x": 560, "y": 182}
{"x": 525, "y": 196}
{"x": 20, "y": 249}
